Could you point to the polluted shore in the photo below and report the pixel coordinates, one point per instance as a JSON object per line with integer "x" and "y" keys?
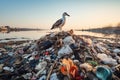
{"x": 61, "y": 56}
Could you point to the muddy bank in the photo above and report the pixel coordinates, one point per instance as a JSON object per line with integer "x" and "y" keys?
{"x": 10, "y": 43}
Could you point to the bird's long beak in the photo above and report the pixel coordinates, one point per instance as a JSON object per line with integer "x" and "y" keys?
{"x": 67, "y": 14}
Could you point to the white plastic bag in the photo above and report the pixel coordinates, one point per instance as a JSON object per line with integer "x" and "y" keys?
{"x": 116, "y": 50}
{"x": 106, "y": 59}
{"x": 64, "y": 50}
{"x": 68, "y": 40}
{"x": 54, "y": 77}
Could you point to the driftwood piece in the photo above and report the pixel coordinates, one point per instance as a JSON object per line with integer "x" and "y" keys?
{"x": 51, "y": 69}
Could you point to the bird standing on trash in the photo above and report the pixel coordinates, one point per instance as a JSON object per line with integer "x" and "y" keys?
{"x": 60, "y": 23}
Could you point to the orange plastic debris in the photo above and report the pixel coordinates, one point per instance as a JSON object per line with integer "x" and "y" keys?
{"x": 73, "y": 71}
{"x": 68, "y": 67}
{"x": 63, "y": 70}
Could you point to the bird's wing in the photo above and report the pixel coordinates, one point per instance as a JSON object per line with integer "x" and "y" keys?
{"x": 57, "y": 23}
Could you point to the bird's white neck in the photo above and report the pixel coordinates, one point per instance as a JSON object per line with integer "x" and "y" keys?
{"x": 63, "y": 17}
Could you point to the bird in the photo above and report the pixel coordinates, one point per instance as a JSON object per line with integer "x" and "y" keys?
{"x": 61, "y": 22}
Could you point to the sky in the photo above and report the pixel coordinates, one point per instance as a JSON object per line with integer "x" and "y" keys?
{"x": 43, "y": 13}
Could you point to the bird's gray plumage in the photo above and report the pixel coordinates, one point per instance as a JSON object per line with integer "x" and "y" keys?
{"x": 57, "y": 23}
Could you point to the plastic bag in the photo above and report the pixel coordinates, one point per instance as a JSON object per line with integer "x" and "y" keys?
{"x": 64, "y": 50}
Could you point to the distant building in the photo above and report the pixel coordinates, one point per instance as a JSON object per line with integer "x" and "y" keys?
{"x": 5, "y": 28}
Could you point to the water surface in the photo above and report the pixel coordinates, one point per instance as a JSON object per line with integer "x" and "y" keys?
{"x": 37, "y": 34}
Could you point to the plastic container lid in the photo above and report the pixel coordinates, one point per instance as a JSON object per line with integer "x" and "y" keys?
{"x": 103, "y": 73}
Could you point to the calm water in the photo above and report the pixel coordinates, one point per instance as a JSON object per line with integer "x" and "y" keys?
{"x": 38, "y": 34}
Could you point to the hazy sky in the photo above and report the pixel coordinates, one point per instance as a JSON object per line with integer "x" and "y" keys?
{"x": 43, "y": 13}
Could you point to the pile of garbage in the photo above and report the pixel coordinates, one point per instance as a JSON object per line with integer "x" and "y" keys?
{"x": 60, "y": 56}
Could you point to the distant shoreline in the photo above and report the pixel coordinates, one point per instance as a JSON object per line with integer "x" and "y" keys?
{"x": 104, "y": 30}
{"x": 12, "y": 43}
{"x": 7, "y": 29}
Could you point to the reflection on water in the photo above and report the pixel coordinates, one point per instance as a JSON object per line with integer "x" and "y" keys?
{"x": 38, "y": 34}
{"x": 25, "y": 34}
{"x": 97, "y": 34}
{"x": 5, "y": 31}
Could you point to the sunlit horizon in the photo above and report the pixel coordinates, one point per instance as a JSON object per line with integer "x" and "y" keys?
{"x": 42, "y": 14}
